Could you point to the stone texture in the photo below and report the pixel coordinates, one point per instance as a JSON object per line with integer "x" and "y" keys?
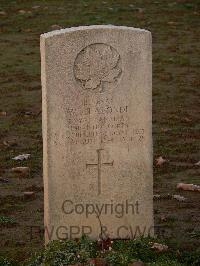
{"x": 97, "y": 102}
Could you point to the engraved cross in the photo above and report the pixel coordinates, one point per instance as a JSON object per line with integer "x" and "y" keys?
{"x": 99, "y": 164}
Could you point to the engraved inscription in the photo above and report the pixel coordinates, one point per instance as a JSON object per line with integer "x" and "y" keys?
{"x": 99, "y": 164}
{"x": 96, "y": 66}
{"x": 110, "y": 124}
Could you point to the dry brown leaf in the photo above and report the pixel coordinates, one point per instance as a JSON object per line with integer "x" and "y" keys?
{"x": 165, "y": 129}
{"x": 22, "y": 170}
{"x": 3, "y": 13}
{"x": 186, "y": 119}
{"x": 163, "y": 218}
{"x": 188, "y": 187}
{"x": 171, "y": 23}
{"x": 29, "y": 195}
{"x": 56, "y": 27}
{"x": 160, "y": 161}
{"x": 3, "y": 113}
{"x": 27, "y": 30}
{"x": 6, "y": 143}
{"x": 9, "y": 143}
{"x": 22, "y": 12}
{"x": 158, "y": 247}
{"x": 35, "y": 7}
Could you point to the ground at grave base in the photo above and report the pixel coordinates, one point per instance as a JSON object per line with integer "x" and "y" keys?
{"x": 86, "y": 252}
{"x": 176, "y": 112}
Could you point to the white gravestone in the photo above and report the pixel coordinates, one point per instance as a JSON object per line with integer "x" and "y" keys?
{"x": 97, "y": 132}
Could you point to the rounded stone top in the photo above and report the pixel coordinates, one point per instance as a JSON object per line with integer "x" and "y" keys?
{"x": 92, "y": 27}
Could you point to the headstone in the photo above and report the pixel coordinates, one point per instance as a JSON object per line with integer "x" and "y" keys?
{"x": 97, "y": 135}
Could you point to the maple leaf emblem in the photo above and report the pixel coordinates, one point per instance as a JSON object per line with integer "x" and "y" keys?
{"x": 97, "y": 64}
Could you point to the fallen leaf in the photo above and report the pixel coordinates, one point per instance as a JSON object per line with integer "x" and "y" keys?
{"x": 56, "y": 27}
{"x": 22, "y": 157}
{"x": 27, "y": 30}
{"x": 186, "y": 119}
{"x": 29, "y": 195}
{"x": 163, "y": 218}
{"x": 22, "y": 170}
{"x": 3, "y": 13}
{"x": 165, "y": 129}
{"x": 188, "y": 187}
{"x": 22, "y": 12}
{"x": 158, "y": 247}
{"x": 3, "y": 113}
{"x": 35, "y": 7}
{"x": 160, "y": 161}
{"x": 9, "y": 143}
{"x": 140, "y": 10}
{"x": 179, "y": 198}
{"x": 171, "y": 23}
{"x": 198, "y": 163}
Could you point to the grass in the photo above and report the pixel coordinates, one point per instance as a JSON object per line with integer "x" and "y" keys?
{"x": 7, "y": 221}
{"x": 118, "y": 252}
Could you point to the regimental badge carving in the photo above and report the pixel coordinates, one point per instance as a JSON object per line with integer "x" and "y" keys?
{"x": 97, "y": 66}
